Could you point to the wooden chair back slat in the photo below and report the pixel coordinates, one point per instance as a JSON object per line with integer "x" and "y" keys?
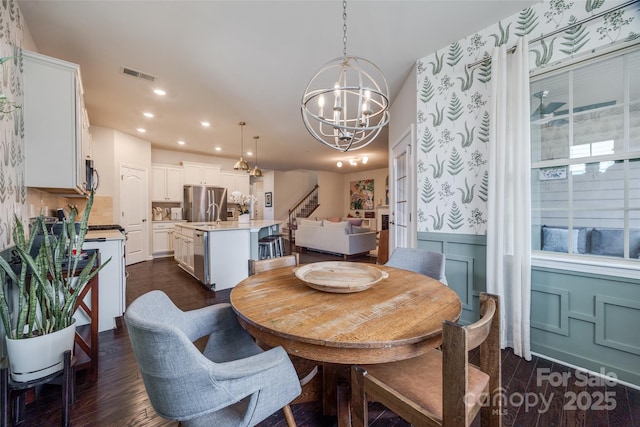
{"x": 256, "y": 266}
{"x": 479, "y": 331}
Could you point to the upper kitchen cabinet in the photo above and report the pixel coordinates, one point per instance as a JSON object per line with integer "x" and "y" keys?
{"x": 236, "y": 181}
{"x": 201, "y": 174}
{"x": 166, "y": 183}
{"x": 56, "y": 126}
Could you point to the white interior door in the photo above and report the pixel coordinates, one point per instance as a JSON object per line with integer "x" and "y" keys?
{"x": 134, "y": 213}
{"x": 258, "y": 192}
{"x": 402, "y": 228}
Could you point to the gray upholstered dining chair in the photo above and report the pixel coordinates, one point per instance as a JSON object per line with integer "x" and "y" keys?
{"x": 232, "y": 383}
{"x": 419, "y": 261}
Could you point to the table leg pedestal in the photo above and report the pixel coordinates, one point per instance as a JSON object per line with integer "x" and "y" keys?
{"x": 336, "y": 392}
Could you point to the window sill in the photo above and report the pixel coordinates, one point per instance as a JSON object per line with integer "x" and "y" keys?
{"x": 587, "y": 264}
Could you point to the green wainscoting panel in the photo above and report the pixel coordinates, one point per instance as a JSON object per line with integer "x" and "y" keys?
{"x": 552, "y": 310}
{"x": 582, "y": 319}
{"x": 611, "y": 313}
{"x": 465, "y": 267}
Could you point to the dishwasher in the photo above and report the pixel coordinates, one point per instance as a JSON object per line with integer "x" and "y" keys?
{"x": 200, "y": 249}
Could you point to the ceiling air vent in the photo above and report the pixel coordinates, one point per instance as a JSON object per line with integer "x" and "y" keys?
{"x": 138, "y": 74}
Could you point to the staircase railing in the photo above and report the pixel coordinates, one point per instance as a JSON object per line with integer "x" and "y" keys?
{"x": 303, "y": 209}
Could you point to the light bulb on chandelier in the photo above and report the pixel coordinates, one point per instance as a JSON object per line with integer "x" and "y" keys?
{"x": 360, "y": 101}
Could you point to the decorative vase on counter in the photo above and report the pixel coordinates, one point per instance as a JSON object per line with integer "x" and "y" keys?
{"x": 243, "y": 218}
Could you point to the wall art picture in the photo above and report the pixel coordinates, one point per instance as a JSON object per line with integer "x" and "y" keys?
{"x": 557, "y": 172}
{"x": 361, "y": 194}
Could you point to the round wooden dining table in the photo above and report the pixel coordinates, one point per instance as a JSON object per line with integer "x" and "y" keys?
{"x": 398, "y": 318}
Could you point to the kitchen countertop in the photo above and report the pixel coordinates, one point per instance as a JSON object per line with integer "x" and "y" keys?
{"x": 254, "y": 225}
{"x": 104, "y": 234}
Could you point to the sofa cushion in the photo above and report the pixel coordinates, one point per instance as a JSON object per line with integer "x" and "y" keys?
{"x": 356, "y": 229}
{"x": 332, "y": 219}
{"x": 610, "y": 241}
{"x": 555, "y": 239}
{"x": 344, "y": 225}
{"x": 310, "y": 222}
{"x": 355, "y": 221}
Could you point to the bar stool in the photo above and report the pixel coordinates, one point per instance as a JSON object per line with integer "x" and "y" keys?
{"x": 266, "y": 249}
{"x": 279, "y": 244}
{"x": 271, "y": 246}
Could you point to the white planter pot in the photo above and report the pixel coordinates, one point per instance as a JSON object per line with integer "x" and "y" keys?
{"x": 37, "y": 357}
{"x": 243, "y": 219}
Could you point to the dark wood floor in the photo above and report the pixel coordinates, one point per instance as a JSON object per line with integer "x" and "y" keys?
{"x": 118, "y": 397}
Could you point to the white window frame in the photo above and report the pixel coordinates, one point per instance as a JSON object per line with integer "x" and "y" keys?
{"x": 595, "y": 264}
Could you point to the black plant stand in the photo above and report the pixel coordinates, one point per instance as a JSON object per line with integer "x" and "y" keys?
{"x": 64, "y": 378}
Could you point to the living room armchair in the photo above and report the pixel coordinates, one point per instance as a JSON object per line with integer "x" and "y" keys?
{"x": 232, "y": 383}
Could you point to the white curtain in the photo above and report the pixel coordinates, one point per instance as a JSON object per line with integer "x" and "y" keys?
{"x": 509, "y": 204}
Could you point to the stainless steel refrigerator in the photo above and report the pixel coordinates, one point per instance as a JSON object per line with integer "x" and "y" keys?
{"x": 205, "y": 203}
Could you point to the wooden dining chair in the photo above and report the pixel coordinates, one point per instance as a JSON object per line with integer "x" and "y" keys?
{"x": 258, "y": 266}
{"x": 439, "y": 388}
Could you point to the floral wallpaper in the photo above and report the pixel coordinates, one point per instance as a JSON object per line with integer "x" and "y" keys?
{"x": 13, "y": 192}
{"x": 453, "y": 120}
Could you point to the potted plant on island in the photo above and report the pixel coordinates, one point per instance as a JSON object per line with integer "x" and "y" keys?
{"x": 244, "y": 203}
{"x": 46, "y": 288}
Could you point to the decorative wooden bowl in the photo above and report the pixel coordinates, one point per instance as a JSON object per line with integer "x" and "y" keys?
{"x": 340, "y": 276}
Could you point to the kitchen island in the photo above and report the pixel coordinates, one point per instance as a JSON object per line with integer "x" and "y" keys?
{"x": 218, "y": 254}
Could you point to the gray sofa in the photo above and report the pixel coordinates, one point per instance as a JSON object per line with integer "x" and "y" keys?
{"x": 588, "y": 240}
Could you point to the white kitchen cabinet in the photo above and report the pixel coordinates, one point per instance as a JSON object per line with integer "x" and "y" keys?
{"x": 55, "y": 125}
{"x": 177, "y": 245}
{"x": 166, "y": 183}
{"x": 112, "y": 282}
{"x": 236, "y": 181}
{"x": 201, "y": 174}
{"x": 185, "y": 255}
{"x": 162, "y": 238}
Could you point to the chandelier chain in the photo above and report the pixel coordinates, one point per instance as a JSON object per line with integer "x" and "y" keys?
{"x": 344, "y": 28}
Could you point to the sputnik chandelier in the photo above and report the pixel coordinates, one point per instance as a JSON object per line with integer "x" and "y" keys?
{"x": 360, "y": 97}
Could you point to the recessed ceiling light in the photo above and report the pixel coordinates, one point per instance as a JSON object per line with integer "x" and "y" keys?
{"x": 148, "y": 114}
{"x": 141, "y": 130}
{"x": 365, "y": 159}
{"x": 159, "y": 92}
{"x": 218, "y": 148}
{"x": 339, "y": 164}
{"x": 205, "y": 124}
{"x": 181, "y": 142}
{"x": 249, "y": 153}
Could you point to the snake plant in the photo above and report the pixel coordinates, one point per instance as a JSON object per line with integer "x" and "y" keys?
{"x": 47, "y": 289}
